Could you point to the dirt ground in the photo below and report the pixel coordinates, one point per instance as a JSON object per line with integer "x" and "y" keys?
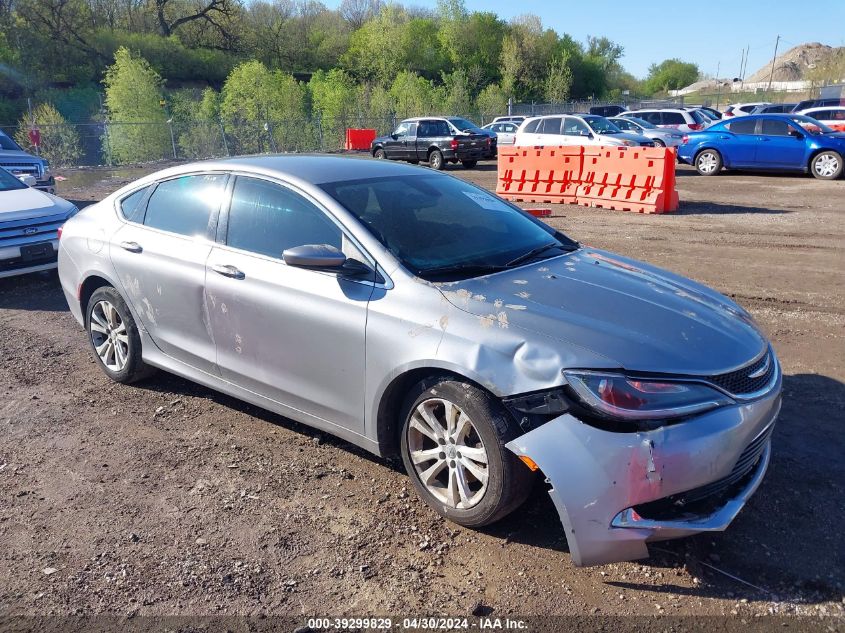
{"x": 167, "y": 498}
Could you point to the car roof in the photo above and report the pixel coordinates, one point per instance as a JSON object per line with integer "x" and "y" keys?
{"x": 314, "y": 169}
{"x": 830, "y": 107}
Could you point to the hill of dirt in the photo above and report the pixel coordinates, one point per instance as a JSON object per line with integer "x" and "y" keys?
{"x": 798, "y": 62}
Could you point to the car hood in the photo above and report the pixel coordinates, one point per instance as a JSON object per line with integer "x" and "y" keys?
{"x": 639, "y": 316}
{"x": 29, "y": 203}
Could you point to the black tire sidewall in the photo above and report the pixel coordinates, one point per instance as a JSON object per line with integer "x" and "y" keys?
{"x": 135, "y": 368}
{"x": 469, "y": 164}
{"x": 509, "y": 481}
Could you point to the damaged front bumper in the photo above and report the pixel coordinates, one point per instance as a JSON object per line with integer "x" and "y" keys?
{"x": 615, "y": 492}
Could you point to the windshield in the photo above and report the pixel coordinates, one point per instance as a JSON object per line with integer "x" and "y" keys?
{"x": 600, "y": 125}
{"x": 7, "y": 143}
{"x": 440, "y": 227}
{"x": 9, "y": 182}
{"x": 811, "y": 125}
{"x": 462, "y": 124}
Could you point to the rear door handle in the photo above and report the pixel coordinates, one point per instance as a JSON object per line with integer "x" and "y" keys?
{"x": 228, "y": 271}
{"x": 132, "y": 247}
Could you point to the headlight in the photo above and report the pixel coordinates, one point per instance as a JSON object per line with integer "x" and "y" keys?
{"x": 621, "y": 397}
{"x": 45, "y": 168}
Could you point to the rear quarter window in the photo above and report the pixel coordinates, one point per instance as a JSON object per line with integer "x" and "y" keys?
{"x": 531, "y": 126}
{"x": 130, "y": 206}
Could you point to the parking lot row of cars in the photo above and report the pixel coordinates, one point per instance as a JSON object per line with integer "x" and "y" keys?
{"x": 746, "y": 136}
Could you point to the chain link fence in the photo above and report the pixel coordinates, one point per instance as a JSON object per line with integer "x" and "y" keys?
{"x": 115, "y": 143}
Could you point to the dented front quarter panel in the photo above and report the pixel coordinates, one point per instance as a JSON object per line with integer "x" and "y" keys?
{"x": 596, "y": 474}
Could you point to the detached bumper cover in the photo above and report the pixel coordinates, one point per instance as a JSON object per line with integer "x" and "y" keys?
{"x": 598, "y": 477}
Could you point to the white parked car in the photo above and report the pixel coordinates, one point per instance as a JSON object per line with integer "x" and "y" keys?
{"x": 505, "y": 131}
{"x": 743, "y": 109}
{"x": 832, "y": 116}
{"x": 679, "y": 119}
{"x": 29, "y": 224}
{"x": 570, "y": 129}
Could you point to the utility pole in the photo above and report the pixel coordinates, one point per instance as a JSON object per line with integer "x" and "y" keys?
{"x": 772, "y": 74}
{"x": 718, "y": 84}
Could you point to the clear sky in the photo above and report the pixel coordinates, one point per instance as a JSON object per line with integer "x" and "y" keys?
{"x": 705, "y": 32}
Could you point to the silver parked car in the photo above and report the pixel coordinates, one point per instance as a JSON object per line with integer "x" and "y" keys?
{"x": 505, "y": 131}
{"x": 411, "y": 312}
{"x": 29, "y": 225}
{"x": 662, "y": 137}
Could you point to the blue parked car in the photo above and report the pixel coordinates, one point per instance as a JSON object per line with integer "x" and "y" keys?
{"x": 769, "y": 142}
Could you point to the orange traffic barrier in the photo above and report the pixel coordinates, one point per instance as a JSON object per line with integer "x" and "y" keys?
{"x": 359, "y": 139}
{"x": 640, "y": 179}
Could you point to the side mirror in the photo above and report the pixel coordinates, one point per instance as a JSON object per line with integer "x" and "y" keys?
{"x": 315, "y": 256}
{"x": 590, "y": 135}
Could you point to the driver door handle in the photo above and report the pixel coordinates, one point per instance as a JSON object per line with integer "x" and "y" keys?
{"x": 132, "y": 247}
{"x": 228, "y": 271}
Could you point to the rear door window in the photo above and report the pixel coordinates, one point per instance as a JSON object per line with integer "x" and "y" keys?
{"x": 186, "y": 205}
{"x": 743, "y": 126}
{"x": 551, "y": 126}
{"x": 267, "y": 218}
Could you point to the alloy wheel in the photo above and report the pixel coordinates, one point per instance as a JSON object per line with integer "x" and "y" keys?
{"x": 707, "y": 163}
{"x": 447, "y": 452}
{"x": 826, "y": 165}
{"x": 109, "y": 336}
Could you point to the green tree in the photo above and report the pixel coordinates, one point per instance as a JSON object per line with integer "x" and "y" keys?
{"x": 335, "y": 100}
{"x": 458, "y": 99}
{"x": 413, "y": 95}
{"x": 492, "y": 101}
{"x": 558, "y": 80}
{"x": 264, "y": 110}
{"x": 199, "y": 131}
{"x": 59, "y": 141}
{"x": 137, "y": 124}
{"x": 670, "y": 74}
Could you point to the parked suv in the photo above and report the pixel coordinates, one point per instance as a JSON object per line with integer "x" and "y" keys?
{"x": 678, "y": 118}
{"x": 437, "y": 141}
{"x": 584, "y": 129}
{"x": 15, "y": 160}
{"x": 744, "y": 109}
{"x": 29, "y": 224}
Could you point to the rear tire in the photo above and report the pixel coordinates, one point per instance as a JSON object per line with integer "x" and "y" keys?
{"x": 708, "y": 162}
{"x": 826, "y": 165}
{"x": 658, "y": 142}
{"x": 114, "y": 337}
{"x": 453, "y": 447}
{"x": 435, "y": 160}
{"x": 469, "y": 164}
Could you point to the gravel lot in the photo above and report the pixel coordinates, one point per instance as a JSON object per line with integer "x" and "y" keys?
{"x": 167, "y": 498}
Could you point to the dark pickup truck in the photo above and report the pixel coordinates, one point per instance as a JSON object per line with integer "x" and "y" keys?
{"x": 437, "y": 141}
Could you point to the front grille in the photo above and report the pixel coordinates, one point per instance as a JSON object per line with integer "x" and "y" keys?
{"x": 26, "y": 168}
{"x": 706, "y": 499}
{"x": 739, "y": 383}
{"x": 23, "y": 232}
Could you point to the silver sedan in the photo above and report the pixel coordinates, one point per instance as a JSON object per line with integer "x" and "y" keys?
{"x": 662, "y": 137}
{"x": 412, "y": 313}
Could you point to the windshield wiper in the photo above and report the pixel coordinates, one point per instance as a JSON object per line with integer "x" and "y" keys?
{"x": 534, "y": 252}
{"x": 462, "y": 268}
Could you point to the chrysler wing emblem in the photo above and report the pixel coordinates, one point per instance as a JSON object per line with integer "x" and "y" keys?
{"x": 763, "y": 369}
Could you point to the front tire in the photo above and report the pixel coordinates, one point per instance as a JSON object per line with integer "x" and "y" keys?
{"x": 114, "y": 337}
{"x": 453, "y": 447}
{"x": 826, "y": 165}
{"x": 658, "y": 142}
{"x": 435, "y": 159}
{"x": 380, "y": 154}
{"x": 708, "y": 162}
